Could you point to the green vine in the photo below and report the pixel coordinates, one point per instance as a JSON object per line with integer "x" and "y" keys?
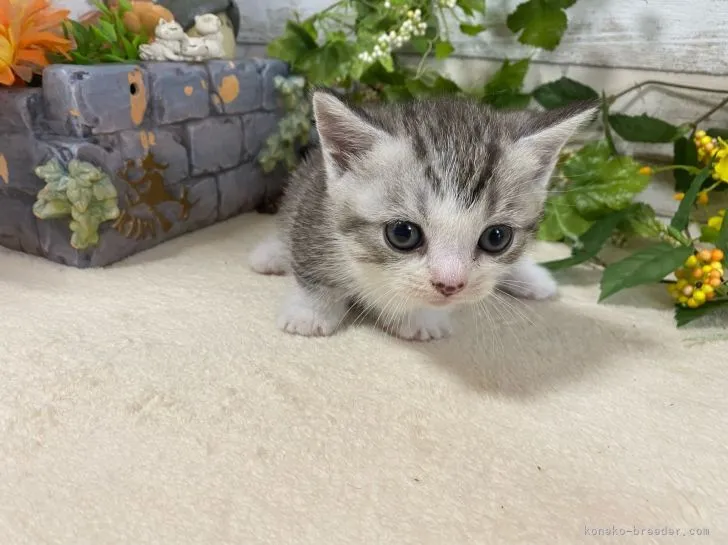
{"x": 384, "y": 51}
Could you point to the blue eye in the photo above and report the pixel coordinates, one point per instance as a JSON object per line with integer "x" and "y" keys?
{"x": 496, "y": 239}
{"x": 403, "y": 235}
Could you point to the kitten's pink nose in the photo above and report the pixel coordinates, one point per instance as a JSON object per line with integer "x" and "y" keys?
{"x": 450, "y": 288}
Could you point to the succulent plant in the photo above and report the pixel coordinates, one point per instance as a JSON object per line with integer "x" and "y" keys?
{"x": 84, "y": 192}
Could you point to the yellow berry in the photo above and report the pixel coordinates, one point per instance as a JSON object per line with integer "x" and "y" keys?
{"x": 647, "y": 171}
{"x": 680, "y": 273}
{"x": 698, "y": 273}
{"x": 678, "y": 196}
{"x": 707, "y": 289}
{"x": 717, "y": 255}
{"x": 703, "y": 198}
{"x": 714, "y": 282}
{"x": 709, "y": 147}
{"x": 699, "y": 296}
{"x": 717, "y": 266}
{"x": 706, "y": 140}
{"x": 716, "y": 222}
{"x": 707, "y": 269}
{"x": 692, "y": 303}
{"x": 683, "y": 299}
{"x": 715, "y": 273}
{"x": 705, "y": 256}
{"x": 687, "y": 290}
{"x": 681, "y": 284}
{"x": 699, "y": 134}
{"x": 691, "y": 262}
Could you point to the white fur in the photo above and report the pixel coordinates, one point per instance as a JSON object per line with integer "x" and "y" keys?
{"x": 270, "y": 257}
{"x": 529, "y": 280}
{"x": 422, "y": 325}
{"x": 311, "y": 315}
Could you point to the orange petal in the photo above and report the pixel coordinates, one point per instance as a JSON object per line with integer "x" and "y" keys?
{"x": 34, "y": 56}
{"x": 51, "y": 19}
{"x": 6, "y": 76}
{"x": 40, "y": 39}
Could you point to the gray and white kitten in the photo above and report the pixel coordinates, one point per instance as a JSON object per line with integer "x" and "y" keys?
{"x": 408, "y": 210}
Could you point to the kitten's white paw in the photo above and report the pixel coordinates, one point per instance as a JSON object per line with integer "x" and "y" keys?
{"x": 529, "y": 280}
{"x": 423, "y": 325}
{"x": 304, "y": 314}
{"x": 270, "y": 257}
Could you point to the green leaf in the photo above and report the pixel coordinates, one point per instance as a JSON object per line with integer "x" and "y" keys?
{"x": 718, "y": 133}
{"x": 443, "y": 50}
{"x": 470, "y": 7}
{"x": 431, "y": 85}
{"x": 562, "y": 92}
{"x": 541, "y": 22}
{"x": 685, "y": 315}
{"x": 685, "y": 154}
{"x": 643, "y": 267}
{"x": 107, "y": 30}
{"x": 641, "y": 221}
{"x": 325, "y": 65}
{"x": 387, "y": 62}
{"x": 471, "y": 30}
{"x": 682, "y": 217}
{"x": 591, "y": 242}
{"x": 601, "y": 183}
{"x": 421, "y": 45}
{"x": 503, "y": 90}
{"x": 295, "y": 43}
{"x": 643, "y": 128}
{"x": 102, "y": 7}
{"x": 561, "y": 221}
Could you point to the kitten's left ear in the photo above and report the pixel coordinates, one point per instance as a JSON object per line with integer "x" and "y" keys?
{"x": 551, "y": 130}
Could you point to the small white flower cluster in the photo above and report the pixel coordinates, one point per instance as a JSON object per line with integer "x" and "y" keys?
{"x": 413, "y": 26}
{"x": 447, "y": 3}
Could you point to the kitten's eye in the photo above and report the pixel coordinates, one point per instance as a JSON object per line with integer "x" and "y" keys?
{"x": 496, "y": 239}
{"x": 403, "y": 235}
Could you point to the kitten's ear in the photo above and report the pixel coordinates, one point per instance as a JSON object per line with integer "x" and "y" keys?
{"x": 553, "y": 129}
{"x": 345, "y": 136}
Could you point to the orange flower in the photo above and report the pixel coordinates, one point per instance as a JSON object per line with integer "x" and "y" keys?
{"x": 28, "y": 31}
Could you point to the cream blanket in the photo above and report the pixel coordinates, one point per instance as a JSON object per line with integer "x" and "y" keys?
{"x": 155, "y": 402}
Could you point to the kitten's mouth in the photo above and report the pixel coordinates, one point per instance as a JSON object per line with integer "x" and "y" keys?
{"x": 443, "y": 301}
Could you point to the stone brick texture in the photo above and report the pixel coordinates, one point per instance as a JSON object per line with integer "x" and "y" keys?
{"x": 205, "y": 122}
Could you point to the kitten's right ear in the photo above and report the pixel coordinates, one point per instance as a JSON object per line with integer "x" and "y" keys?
{"x": 344, "y": 135}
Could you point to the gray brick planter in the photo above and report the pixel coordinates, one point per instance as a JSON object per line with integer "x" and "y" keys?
{"x": 179, "y": 142}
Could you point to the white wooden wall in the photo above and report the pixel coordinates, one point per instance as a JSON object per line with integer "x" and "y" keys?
{"x": 77, "y": 7}
{"x": 674, "y": 35}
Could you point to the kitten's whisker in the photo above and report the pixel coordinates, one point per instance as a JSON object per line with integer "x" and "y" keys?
{"x": 512, "y": 309}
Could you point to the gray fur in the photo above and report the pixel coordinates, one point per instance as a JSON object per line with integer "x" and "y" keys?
{"x": 451, "y": 165}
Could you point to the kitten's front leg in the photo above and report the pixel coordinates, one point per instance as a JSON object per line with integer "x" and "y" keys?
{"x": 425, "y": 324}
{"x": 528, "y": 280}
{"x": 313, "y": 312}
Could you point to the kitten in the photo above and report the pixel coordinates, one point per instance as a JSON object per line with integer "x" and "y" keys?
{"x": 409, "y": 210}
